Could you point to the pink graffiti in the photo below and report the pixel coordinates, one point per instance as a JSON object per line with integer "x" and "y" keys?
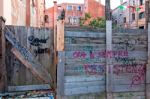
{"x": 138, "y": 72}
{"x": 94, "y": 69}
{"x": 79, "y": 54}
{"x": 98, "y": 54}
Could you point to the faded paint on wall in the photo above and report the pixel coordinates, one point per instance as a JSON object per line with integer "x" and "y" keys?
{"x": 5, "y": 10}
{"x": 18, "y": 12}
{"x": 119, "y": 15}
{"x": 1, "y": 7}
{"x": 15, "y": 12}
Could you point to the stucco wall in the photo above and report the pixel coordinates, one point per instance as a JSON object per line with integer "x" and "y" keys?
{"x": 5, "y": 10}
{"x": 1, "y": 7}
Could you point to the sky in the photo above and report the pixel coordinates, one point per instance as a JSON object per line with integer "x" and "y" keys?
{"x": 49, "y": 3}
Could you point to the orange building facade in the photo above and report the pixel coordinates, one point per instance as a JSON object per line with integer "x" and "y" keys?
{"x": 74, "y": 12}
{"x": 94, "y": 8}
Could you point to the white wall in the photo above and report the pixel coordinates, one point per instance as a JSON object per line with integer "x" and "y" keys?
{"x": 7, "y": 11}
{"x": 1, "y": 7}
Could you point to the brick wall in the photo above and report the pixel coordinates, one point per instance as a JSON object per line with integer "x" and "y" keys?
{"x": 94, "y": 8}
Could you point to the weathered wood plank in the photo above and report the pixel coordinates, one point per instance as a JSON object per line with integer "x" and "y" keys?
{"x": 83, "y": 34}
{"x": 37, "y": 70}
{"x": 60, "y": 35}
{"x": 85, "y": 69}
{"x": 28, "y": 88}
{"x": 129, "y": 95}
{"x": 148, "y": 64}
{"x": 109, "y": 66}
{"x": 103, "y": 54}
{"x": 19, "y": 68}
{"x": 128, "y": 88}
{"x": 85, "y": 96}
{"x": 116, "y": 61}
{"x": 98, "y": 47}
{"x": 60, "y": 73}
{"x": 69, "y": 79}
{"x": 84, "y": 90}
{"x": 129, "y": 31}
{"x": 87, "y": 60}
{"x": 84, "y": 84}
{"x": 28, "y": 59}
{"x": 80, "y": 40}
{"x": 84, "y": 47}
{"x": 3, "y": 71}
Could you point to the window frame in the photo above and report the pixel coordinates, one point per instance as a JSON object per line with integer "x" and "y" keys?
{"x": 69, "y": 7}
{"x": 79, "y": 9}
{"x": 141, "y": 15}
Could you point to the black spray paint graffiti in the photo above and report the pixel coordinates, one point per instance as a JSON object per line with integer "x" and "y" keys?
{"x": 41, "y": 51}
{"x": 38, "y": 42}
{"x": 126, "y": 60}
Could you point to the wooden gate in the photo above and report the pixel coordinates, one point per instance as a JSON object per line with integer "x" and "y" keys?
{"x": 29, "y": 58}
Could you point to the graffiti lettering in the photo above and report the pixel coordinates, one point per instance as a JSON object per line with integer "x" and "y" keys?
{"x": 98, "y": 54}
{"x": 36, "y": 41}
{"x": 126, "y": 60}
{"x": 88, "y": 69}
{"x": 41, "y": 51}
{"x": 94, "y": 69}
{"x": 138, "y": 72}
{"x": 79, "y": 54}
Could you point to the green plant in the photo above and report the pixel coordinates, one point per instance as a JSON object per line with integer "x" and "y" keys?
{"x": 87, "y": 16}
{"x": 98, "y": 23}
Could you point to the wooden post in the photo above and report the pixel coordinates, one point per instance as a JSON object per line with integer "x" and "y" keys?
{"x": 148, "y": 67}
{"x": 60, "y": 35}
{"x": 109, "y": 66}
{"x": 147, "y": 9}
{"x": 147, "y": 13}
{"x": 61, "y": 58}
{"x": 3, "y": 76}
{"x": 55, "y": 44}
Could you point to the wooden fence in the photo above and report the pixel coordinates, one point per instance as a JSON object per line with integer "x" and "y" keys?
{"x": 82, "y": 71}
{"x": 83, "y": 64}
{"x": 27, "y": 55}
{"x": 40, "y": 43}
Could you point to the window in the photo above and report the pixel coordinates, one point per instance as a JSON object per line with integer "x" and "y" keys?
{"x": 46, "y": 18}
{"x": 133, "y": 3}
{"x": 116, "y": 22}
{"x": 124, "y": 19}
{"x": 79, "y": 8}
{"x": 69, "y": 19}
{"x": 141, "y": 15}
{"x": 69, "y": 7}
{"x": 133, "y": 16}
{"x": 141, "y": 27}
{"x": 74, "y": 20}
{"x": 141, "y": 2}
